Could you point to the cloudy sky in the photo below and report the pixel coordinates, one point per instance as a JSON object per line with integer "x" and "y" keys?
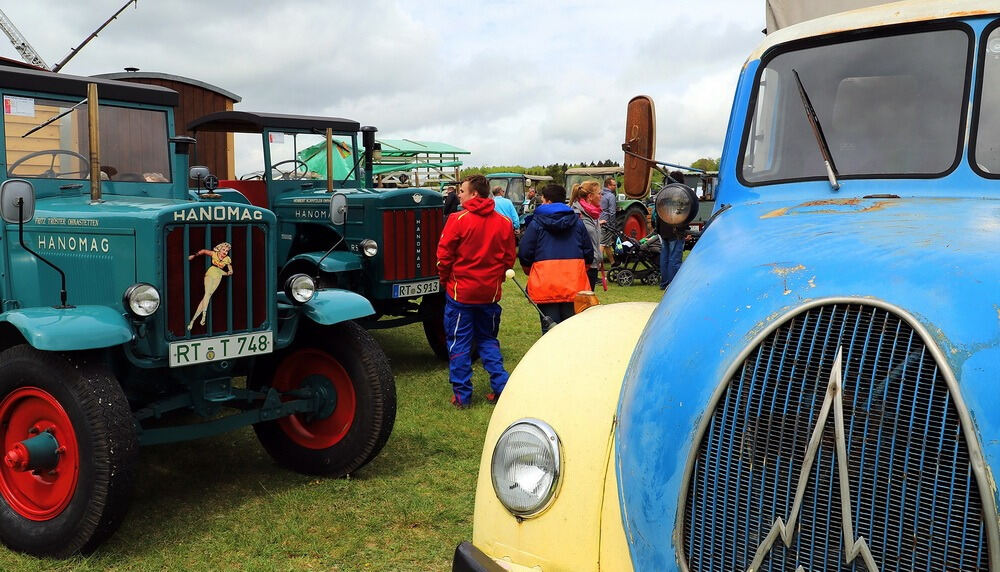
{"x": 514, "y": 82}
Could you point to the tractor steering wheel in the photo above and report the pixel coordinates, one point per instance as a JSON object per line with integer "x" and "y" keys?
{"x": 51, "y": 172}
{"x": 293, "y": 173}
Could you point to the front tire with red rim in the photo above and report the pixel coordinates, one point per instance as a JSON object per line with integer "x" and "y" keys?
{"x": 633, "y": 221}
{"x": 347, "y": 368}
{"x": 69, "y": 451}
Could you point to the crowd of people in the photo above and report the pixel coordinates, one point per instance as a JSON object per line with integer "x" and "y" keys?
{"x": 562, "y": 250}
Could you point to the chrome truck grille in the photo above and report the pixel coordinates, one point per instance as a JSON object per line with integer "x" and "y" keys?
{"x": 410, "y": 238}
{"x": 241, "y": 301}
{"x": 911, "y": 493}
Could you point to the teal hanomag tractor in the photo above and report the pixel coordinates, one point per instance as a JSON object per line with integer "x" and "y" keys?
{"x": 380, "y": 243}
{"x": 130, "y": 304}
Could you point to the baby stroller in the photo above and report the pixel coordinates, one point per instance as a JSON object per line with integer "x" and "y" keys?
{"x": 636, "y": 260}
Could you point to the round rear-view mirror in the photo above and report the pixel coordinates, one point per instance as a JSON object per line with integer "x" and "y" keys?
{"x": 17, "y": 201}
{"x": 338, "y": 208}
{"x": 676, "y": 204}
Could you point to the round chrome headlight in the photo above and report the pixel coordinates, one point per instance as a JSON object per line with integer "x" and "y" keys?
{"x": 300, "y": 288}
{"x": 368, "y": 247}
{"x": 142, "y": 299}
{"x": 676, "y": 204}
{"x": 526, "y": 467}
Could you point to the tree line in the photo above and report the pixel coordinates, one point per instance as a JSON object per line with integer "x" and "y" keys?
{"x": 558, "y": 170}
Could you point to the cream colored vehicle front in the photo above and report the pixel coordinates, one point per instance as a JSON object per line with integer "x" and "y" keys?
{"x": 547, "y": 496}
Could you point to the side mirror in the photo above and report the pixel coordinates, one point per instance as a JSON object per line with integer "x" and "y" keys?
{"x": 17, "y": 201}
{"x": 198, "y": 173}
{"x": 338, "y": 208}
{"x": 639, "y": 145}
{"x": 676, "y": 204}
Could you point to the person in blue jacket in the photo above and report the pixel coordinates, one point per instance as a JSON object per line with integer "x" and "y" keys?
{"x": 555, "y": 251}
{"x": 506, "y": 208}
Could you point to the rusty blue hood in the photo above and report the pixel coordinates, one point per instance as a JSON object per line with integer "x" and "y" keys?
{"x": 936, "y": 260}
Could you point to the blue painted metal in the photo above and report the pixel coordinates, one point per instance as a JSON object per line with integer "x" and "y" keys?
{"x": 934, "y": 252}
{"x": 333, "y": 306}
{"x": 70, "y": 329}
{"x": 336, "y": 261}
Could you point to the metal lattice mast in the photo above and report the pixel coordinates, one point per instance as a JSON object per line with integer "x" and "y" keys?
{"x": 21, "y": 44}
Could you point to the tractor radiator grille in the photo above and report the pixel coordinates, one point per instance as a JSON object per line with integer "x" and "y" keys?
{"x": 241, "y": 301}
{"x": 410, "y": 239}
{"x": 911, "y": 492}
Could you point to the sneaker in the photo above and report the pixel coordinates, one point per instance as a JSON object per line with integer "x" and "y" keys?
{"x": 457, "y": 403}
{"x": 492, "y": 398}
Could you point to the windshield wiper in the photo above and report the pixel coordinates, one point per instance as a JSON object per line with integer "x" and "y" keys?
{"x": 57, "y": 117}
{"x": 824, "y": 149}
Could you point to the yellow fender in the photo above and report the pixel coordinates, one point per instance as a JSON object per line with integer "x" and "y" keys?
{"x": 571, "y": 379}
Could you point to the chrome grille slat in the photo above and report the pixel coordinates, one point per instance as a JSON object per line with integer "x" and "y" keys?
{"x": 913, "y": 494}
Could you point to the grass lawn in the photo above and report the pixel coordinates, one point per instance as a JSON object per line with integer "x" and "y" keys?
{"x": 221, "y": 504}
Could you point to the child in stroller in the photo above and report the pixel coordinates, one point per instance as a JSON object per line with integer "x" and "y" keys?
{"x": 635, "y": 260}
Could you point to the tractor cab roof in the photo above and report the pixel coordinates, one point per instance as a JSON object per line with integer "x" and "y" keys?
{"x": 251, "y": 122}
{"x": 42, "y": 81}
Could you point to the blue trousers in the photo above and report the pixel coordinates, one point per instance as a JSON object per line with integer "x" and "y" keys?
{"x": 463, "y": 324}
{"x": 671, "y": 254}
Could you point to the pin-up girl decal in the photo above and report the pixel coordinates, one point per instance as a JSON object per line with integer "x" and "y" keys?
{"x": 213, "y": 276}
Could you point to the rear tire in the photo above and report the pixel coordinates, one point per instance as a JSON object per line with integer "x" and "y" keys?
{"x": 633, "y": 222}
{"x": 347, "y": 359}
{"x": 432, "y": 317}
{"x": 79, "y": 503}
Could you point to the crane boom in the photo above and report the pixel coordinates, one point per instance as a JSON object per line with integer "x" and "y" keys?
{"x": 21, "y": 44}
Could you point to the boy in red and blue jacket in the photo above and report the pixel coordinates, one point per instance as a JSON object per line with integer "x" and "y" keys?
{"x": 555, "y": 251}
{"x": 476, "y": 249}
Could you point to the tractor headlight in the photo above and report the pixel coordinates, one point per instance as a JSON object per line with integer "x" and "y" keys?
{"x": 676, "y": 204}
{"x": 142, "y": 300}
{"x": 526, "y": 467}
{"x": 368, "y": 247}
{"x": 300, "y": 288}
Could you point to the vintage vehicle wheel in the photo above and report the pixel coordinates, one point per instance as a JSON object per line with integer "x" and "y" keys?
{"x": 633, "y": 222}
{"x": 432, "y": 316}
{"x": 345, "y": 361}
{"x": 69, "y": 452}
{"x": 625, "y": 277}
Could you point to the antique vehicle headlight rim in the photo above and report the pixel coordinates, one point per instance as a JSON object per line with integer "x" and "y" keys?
{"x": 142, "y": 299}
{"x": 300, "y": 288}
{"x": 526, "y": 467}
{"x": 676, "y": 204}
{"x": 369, "y": 247}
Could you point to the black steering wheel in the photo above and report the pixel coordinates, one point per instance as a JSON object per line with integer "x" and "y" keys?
{"x": 51, "y": 172}
{"x": 293, "y": 173}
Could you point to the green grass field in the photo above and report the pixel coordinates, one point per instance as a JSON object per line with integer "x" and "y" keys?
{"x": 221, "y": 504}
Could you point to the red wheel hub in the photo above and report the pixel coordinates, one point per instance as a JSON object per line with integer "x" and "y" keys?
{"x": 328, "y": 431}
{"x": 635, "y": 226}
{"x": 39, "y": 494}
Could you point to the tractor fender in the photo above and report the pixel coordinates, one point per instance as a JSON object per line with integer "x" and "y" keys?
{"x": 70, "y": 329}
{"x": 576, "y": 393}
{"x": 337, "y": 261}
{"x": 333, "y": 305}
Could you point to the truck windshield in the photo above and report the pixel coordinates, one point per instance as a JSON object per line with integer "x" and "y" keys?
{"x": 987, "y": 150}
{"x": 889, "y": 106}
{"x": 133, "y": 141}
{"x": 303, "y": 156}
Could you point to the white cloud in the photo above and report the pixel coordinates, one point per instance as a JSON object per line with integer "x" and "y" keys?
{"x": 515, "y": 82}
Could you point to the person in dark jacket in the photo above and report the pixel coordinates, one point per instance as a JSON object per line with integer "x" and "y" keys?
{"x": 555, "y": 251}
{"x": 671, "y": 242}
{"x": 451, "y": 202}
{"x": 475, "y": 251}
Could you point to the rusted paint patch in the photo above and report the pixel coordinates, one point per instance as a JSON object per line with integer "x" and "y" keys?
{"x": 783, "y": 272}
{"x": 874, "y": 206}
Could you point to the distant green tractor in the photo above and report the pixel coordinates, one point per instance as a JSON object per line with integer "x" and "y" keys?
{"x": 633, "y": 216}
{"x": 516, "y": 187}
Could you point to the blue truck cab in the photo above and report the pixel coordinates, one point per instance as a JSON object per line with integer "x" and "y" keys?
{"x": 817, "y": 390}
{"x": 129, "y": 305}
